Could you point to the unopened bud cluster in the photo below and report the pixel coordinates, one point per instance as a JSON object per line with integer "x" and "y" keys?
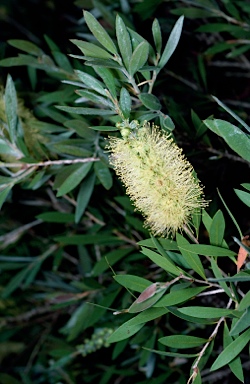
{"x": 98, "y": 340}
{"x": 157, "y": 177}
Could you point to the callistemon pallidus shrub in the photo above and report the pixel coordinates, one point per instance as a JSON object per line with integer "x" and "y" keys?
{"x": 157, "y": 177}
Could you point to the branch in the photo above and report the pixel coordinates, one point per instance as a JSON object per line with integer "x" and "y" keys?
{"x": 48, "y": 163}
{"x": 202, "y": 352}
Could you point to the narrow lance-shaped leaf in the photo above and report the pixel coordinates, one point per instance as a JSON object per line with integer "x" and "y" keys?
{"x": 217, "y": 229}
{"x": 91, "y": 82}
{"x": 172, "y": 42}
{"x": 243, "y": 196}
{"x": 235, "y": 365}
{"x": 124, "y": 42}
{"x": 84, "y": 195}
{"x": 99, "y": 32}
{"x": 125, "y": 103}
{"x": 74, "y": 178}
{"x": 182, "y": 341}
{"x": 10, "y": 100}
{"x": 139, "y": 57}
{"x": 233, "y": 136}
{"x": 156, "y": 30}
{"x": 91, "y": 50}
{"x": 231, "y": 351}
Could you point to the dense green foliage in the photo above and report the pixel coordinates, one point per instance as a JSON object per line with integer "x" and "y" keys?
{"x": 87, "y": 293}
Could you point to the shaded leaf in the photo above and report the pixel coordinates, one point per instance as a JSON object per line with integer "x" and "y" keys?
{"x": 103, "y": 174}
{"x": 74, "y": 175}
{"x": 191, "y": 258}
{"x": 231, "y": 351}
{"x": 84, "y": 195}
{"x": 235, "y": 365}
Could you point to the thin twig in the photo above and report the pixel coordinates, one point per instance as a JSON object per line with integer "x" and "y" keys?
{"x": 202, "y": 352}
{"x": 48, "y": 163}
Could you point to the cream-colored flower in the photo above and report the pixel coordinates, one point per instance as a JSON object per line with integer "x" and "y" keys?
{"x": 157, "y": 177}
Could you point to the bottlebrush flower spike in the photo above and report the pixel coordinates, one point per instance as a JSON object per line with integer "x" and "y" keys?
{"x": 157, "y": 177}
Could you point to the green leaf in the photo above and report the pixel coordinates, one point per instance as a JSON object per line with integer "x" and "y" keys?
{"x": 161, "y": 261}
{"x": 108, "y": 79}
{"x": 100, "y": 33}
{"x": 217, "y": 229}
{"x": 169, "y": 245}
{"x": 178, "y": 297}
{"x": 235, "y": 365}
{"x": 207, "y": 312}
{"x": 133, "y": 325}
{"x": 239, "y": 277}
{"x": 74, "y": 175}
{"x": 172, "y": 354}
{"x": 4, "y": 194}
{"x": 109, "y": 259}
{"x": 241, "y": 324}
{"x": 172, "y": 42}
{"x": 91, "y": 50}
{"x": 103, "y": 174}
{"x": 242, "y": 122}
{"x": 150, "y": 101}
{"x": 134, "y": 283}
{"x": 207, "y": 250}
{"x": 84, "y": 195}
{"x": 231, "y": 351}
{"x": 123, "y": 40}
{"x": 15, "y": 282}
{"x": 218, "y": 274}
{"x": 105, "y": 128}
{"x": 10, "y": 101}
{"x": 56, "y": 217}
{"x": 182, "y": 341}
{"x": 89, "y": 239}
{"x": 234, "y": 137}
{"x": 85, "y": 111}
{"x": 243, "y": 196}
{"x": 26, "y": 46}
{"x": 91, "y": 82}
{"x": 191, "y": 257}
{"x": 245, "y": 302}
{"x": 231, "y": 215}
{"x": 193, "y": 319}
{"x": 125, "y": 103}
{"x": 156, "y": 31}
{"x": 138, "y": 58}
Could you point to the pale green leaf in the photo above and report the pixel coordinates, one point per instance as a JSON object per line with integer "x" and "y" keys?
{"x": 100, "y": 33}
{"x": 123, "y": 40}
{"x": 172, "y": 42}
{"x": 138, "y": 58}
{"x": 243, "y": 196}
{"x": 234, "y": 137}
{"x": 150, "y": 101}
